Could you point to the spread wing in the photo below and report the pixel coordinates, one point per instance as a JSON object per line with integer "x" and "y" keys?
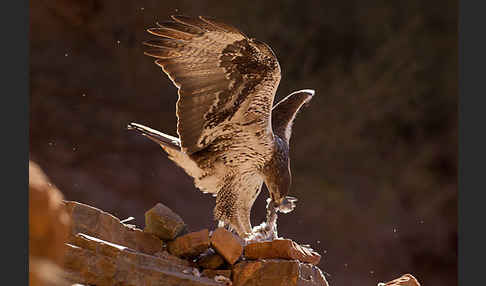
{"x": 222, "y": 76}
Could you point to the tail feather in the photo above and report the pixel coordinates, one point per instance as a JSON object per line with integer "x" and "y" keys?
{"x": 172, "y": 146}
{"x": 156, "y": 136}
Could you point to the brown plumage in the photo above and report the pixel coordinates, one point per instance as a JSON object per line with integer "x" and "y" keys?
{"x": 230, "y": 139}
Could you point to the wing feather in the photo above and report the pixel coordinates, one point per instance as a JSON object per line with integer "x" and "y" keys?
{"x": 195, "y": 22}
{"x": 163, "y": 53}
{"x": 180, "y": 27}
{"x": 222, "y": 76}
{"x": 170, "y": 33}
{"x": 284, "y": 112}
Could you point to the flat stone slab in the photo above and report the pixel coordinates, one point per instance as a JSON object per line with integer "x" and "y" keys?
{"x": 93, "y": 261}
{"x": 189, "y": 245}
{"x": 97, "y": 223}
{"x": 276, "y": 272}
{"x": 404, "y": 280}
{"x": 163, "y": 222}
{"x": 226, "y": 244}
{"x": 281, "y": 248}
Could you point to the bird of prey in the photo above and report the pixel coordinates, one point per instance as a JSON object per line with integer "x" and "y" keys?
{"x": 231, "y": 138}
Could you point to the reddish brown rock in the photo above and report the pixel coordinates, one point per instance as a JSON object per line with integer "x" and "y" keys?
{"x": 49, "y": 226}
{"x": 211, "y": 261}
{"x": 227, "y": 244}
{"x": 97, "y": 223}
{"x": 211, "y": 273}
{"x": 93, "y": 261}
{"x": 44, "y": 272}
{"x": 165, "y": 255}
{"x": 277, "y": 272}
{"x": 163, "y": 222}
{"x": 405, "y": 280}
{"x": 281, "y": 248}
{"x": 48, "y": 219}
{"x": 189, "y": 245}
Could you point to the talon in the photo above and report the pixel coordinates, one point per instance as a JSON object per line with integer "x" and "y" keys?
{"x": 288, "y": 204}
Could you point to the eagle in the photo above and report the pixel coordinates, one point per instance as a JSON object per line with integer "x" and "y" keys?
{"x": 231, "y": 137}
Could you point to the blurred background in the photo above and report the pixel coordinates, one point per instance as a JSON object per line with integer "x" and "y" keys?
{"x": 374, "y": 156}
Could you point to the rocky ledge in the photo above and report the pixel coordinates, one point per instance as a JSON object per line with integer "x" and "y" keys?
{"x": 102, "y": 250}
{"x": 71, "y": 243}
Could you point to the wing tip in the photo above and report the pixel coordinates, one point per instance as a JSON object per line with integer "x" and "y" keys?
{"x": 309, "y": 91}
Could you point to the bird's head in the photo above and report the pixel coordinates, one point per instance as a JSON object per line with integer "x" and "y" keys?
{"x": 278, "y": 177}
{"x": 279, "y": 188}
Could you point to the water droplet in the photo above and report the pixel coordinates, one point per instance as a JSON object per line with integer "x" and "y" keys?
{"x": 83, "y": 95}
{"x": 66, "y": 54}
{"x": 325, "y": 251}
{"x": 50, "y": 143}
{"x": 422, "y": 221}
{"x": 345, "y": 265}
{"x": 74, "y": 148}
{"x": 141, "y": 8}
{"x": 318, "y": 242}
{"x": 372, "y": 272}
{"x": 176, "y": 10}
{"x": 118, "y": 42}
{"x": 394, "y": 230}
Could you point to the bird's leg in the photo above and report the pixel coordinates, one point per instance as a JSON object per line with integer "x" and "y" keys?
{"x": 287, "y": 205}
{"x": 268, "y": 229}
{"x": 271, "y": 222}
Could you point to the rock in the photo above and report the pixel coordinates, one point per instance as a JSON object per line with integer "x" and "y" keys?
{"x": 211, "y": 273}
{"x": 277, "y": 272}
{"x": 49, "y": 225}
{"x": 224, "y": 280}
{"x": 103, "y": 251}
{"x": 211, "y": 261}
{"x": 281, "y": 248}
{"x": 44, "y": 272}
{"x": 189, "y": 245}
{"x": 174, "y": 259}
{"x": 405, "y": 280}
{"x": 49, "y": 222}
{"x": 93, "y": 261}
{"x": 226, "y": 244}
{"x": 97, "y": 223}
{"x": 163, "y": 222}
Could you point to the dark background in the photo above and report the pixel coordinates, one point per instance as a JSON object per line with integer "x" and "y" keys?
{"x": 374, "y": 156}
